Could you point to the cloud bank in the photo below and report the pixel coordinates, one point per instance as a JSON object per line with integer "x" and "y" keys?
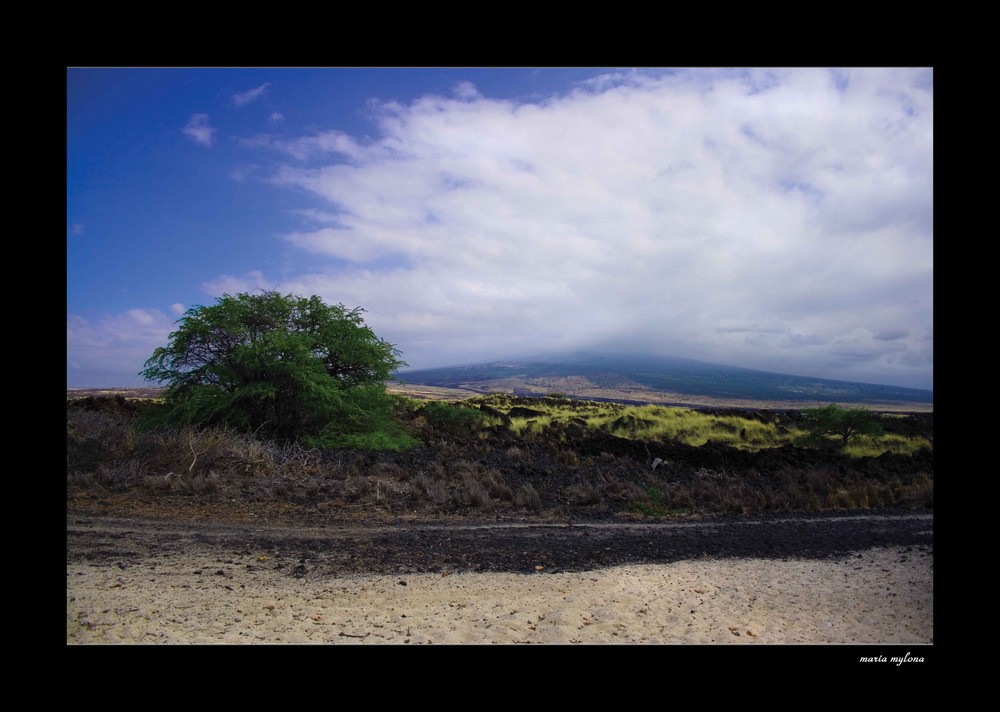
{"x": 771, "y": 219}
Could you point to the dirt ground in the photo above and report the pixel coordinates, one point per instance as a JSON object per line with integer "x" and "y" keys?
{"x": 766, "y": 580}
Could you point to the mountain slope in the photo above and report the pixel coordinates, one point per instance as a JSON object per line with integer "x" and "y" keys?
{"x": 646, "y": 378}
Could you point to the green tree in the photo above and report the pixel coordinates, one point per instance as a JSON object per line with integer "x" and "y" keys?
{"x": 842, "y": 422}
{"x": 284, "y": 366}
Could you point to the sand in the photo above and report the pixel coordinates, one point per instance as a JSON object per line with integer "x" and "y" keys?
{"x": 877, "y": 596}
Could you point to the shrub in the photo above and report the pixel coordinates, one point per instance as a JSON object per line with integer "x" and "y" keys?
{"x": 452, "y": 417}
{"x": 283, "y": 366}
{"x": 527, "y": 497}
{"x": 832, "y": 420}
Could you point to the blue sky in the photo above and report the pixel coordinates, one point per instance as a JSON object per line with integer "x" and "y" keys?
{"x": 777, "y": 219}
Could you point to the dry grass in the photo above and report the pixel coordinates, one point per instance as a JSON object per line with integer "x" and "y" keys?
{"x": 108, "y": 452}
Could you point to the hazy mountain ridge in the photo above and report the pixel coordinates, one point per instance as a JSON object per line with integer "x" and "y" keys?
{"x": 652, "y": 378}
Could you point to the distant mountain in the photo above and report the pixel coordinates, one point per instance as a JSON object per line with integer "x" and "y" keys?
{"x": 656, "y": 379}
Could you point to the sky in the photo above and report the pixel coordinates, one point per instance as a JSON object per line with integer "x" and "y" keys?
{"x": 778, "y": 219}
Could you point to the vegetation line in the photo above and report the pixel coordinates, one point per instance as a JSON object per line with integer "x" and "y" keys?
{"x": 506, "y": 456}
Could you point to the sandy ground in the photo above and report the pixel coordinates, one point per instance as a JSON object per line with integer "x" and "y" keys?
{"x": 878, "y": 596}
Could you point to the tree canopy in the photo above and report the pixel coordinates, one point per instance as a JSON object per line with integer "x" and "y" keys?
{"x": 285, "y": 366}
{"x": 842, "y": 422}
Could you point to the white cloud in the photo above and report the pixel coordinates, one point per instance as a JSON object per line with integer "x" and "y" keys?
{"x": 322, "y": 144}
{"x": 231, "y": 284}
{"x": 248, "y": 97}
{"x": 336, "y": 243}
{"x": 276, "y": 116}
{"x": 775, "y": 219}
{"x": 177, "y": 309}
{"x": 111, "y": 350}
{"x": 758, "y": 218}
{"x": 320, "y": 216}
{"x": 466, "y": 90}
{"x": 199, "y": 130}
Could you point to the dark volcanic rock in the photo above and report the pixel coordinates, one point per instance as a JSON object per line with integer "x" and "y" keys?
{"x": 438, "y": 548}
{"x": 521, "y": 412}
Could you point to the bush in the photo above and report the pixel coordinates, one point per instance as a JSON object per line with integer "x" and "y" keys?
{"x": 842, "y": 422}
{"x": 453, "y": 418}
{"x": 286, "y": 367}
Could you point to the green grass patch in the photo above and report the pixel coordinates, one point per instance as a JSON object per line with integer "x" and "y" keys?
{"x": 897, "y": 444}
{"x": 393, "y": 439}
{"x": 667, "y": 424}
{"x": 453, "y": 416}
